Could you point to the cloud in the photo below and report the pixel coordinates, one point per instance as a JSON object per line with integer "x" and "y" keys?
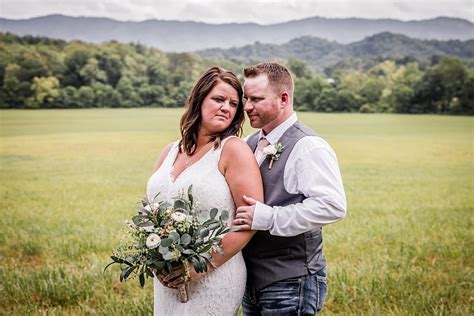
{"x": 227, "y": 11}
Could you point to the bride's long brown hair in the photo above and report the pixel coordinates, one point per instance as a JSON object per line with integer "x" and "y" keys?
{"x": 191, "y": 119}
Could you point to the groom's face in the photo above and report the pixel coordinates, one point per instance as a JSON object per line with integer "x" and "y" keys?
{"x": 261, "y": 102}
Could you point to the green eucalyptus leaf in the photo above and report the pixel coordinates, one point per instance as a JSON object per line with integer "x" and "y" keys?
{"x": 224, "y": 216}
{"x": 138, "y": 219}
{"x": 198, "y": 242}
{"x": 214, "y": 226}
{"x": 149, "y": 272}
{"x": 204, "y": 233}
{"x": 163, "y": 250}
{"x": 190, "y": 196}
{"x": 180, "y": 204}
{"x": 166, "y": 242}
{"x": 144, "y": 201}
{"x": 206, "y": 255}
{"x": 213, "y": 213}
{"x": 142, "y": 210}
{"x": 163, "y": 207}
{"x": 141, "y": 277}
{"x": 198, "y": 267}
{"x": 169, "y": 266}
{"x": 205, "y": 248}
{"x": 149, "y": 262}
{"x": 219, "y": 250}
{"x": 188, "y": 252}
{"x": 145, "y": 224}
{"x": 126, "y": 272}
{"x": 195, "y": 263}
{"x": 169, "y": 256}
{"x": 116, "y": 259}
{"x": 174, "y": 236}
{"x": 179, "y": 248}
{"x": 185, "y": 239}
{"x": 225, "y": 230}
{"x": 154, "y": 198}
{"x": 203, "y": 263}
{"x": 206, "y": 223}
{"x": 160, "y": 265}
{"x": 129, "y": 260}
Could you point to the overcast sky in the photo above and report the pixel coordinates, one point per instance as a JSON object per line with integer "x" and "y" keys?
{"x": 225, "y": 11}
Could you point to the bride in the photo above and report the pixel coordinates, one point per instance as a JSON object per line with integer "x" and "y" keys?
{"x": 221, "y": 168}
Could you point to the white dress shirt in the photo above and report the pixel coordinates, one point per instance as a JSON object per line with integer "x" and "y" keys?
{"x": 311, "y": 170}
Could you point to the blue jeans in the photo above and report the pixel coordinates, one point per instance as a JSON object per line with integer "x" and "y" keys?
{"x": 303, "y": 295}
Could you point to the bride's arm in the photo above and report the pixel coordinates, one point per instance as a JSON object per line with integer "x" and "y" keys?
{"x": 241, "y": 171}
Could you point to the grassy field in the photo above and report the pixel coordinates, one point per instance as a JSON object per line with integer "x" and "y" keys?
{"x": 70, "y": 177}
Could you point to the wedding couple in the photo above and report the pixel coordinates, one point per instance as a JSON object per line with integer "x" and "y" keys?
{"x": 281, "y": 186}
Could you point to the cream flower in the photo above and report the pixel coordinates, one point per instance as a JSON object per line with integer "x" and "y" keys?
{"x": 153, "y": 241}
{"x": 178, "y": 216}
{"x": 270, "y": 150}
{"x": 274, "y": 152}
{"x": 149, "y": 229}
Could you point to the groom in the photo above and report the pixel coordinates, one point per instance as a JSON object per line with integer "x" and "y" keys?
{"x": 303, "y": 191}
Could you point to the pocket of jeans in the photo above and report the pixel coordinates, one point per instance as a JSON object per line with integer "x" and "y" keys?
{"x": 322, "y": 287}
{"x": 296, "y": 281}
{"x": 321, "y": 275}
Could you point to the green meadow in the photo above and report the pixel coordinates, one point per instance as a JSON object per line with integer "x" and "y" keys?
{"x": 69, "y": 178}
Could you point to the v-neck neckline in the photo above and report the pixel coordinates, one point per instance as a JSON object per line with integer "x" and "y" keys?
{"x": 174, "y": 178}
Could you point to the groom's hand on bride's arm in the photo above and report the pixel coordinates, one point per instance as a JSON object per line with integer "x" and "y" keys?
{"x": 244, "y": 214}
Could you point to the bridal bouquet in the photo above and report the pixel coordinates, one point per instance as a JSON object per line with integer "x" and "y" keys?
{"x": 165, "y": 236}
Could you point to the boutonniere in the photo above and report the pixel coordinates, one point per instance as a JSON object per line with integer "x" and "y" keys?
{"x": 274, "y": 152}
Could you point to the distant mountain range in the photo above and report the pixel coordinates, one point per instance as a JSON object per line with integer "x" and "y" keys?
{"x": 319, "y": 53}
{"x": 191, "y": 36}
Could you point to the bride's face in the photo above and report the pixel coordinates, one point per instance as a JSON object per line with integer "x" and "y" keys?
{"x": 218, "y": 108}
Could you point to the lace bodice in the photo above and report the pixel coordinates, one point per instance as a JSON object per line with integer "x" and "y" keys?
{"x": 219, "y": 292}
{"x": 210, "y": 188}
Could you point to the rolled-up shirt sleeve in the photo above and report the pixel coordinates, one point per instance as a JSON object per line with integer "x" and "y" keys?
{"x": 312, "y": 170}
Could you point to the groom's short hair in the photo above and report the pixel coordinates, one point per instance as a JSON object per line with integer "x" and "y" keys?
{"x": 278, "y": 76}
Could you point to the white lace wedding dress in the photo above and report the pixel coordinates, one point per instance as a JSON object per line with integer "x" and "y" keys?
{"x": 220, "y": 292}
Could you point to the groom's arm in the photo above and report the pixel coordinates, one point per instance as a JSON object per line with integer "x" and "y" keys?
{"x": 314, "y": 172}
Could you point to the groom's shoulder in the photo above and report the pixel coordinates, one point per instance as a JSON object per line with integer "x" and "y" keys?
{"x": 252, "y": 137}
{"x": 304, "y": 129}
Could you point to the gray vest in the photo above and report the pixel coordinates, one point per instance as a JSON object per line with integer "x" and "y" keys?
{"x": 273, "y": 258}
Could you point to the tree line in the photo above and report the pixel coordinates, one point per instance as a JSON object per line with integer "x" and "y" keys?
{"x": 39, "y": 72}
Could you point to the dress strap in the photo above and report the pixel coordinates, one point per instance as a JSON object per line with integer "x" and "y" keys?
{"x": 171, "y": 157}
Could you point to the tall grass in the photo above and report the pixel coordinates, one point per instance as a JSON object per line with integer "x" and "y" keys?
{"x": 70, "y": 177}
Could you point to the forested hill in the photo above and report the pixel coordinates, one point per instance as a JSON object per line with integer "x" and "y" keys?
{"x": 38, "y": 72}
{"x": 190, "y": 36}
{"x": 319, "y": 53}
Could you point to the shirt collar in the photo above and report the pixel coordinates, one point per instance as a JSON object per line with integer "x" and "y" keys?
{"x": 278, "y": 131}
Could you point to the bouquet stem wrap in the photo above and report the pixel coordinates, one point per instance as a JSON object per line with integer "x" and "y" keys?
{"x": 183, "y": 292}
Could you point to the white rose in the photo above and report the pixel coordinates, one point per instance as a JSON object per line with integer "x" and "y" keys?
{"x": 270, "y": 150}
{"x": 149, "y": 229}
{"x": 178, "y": 216}
{"x": 153, "y": 241}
